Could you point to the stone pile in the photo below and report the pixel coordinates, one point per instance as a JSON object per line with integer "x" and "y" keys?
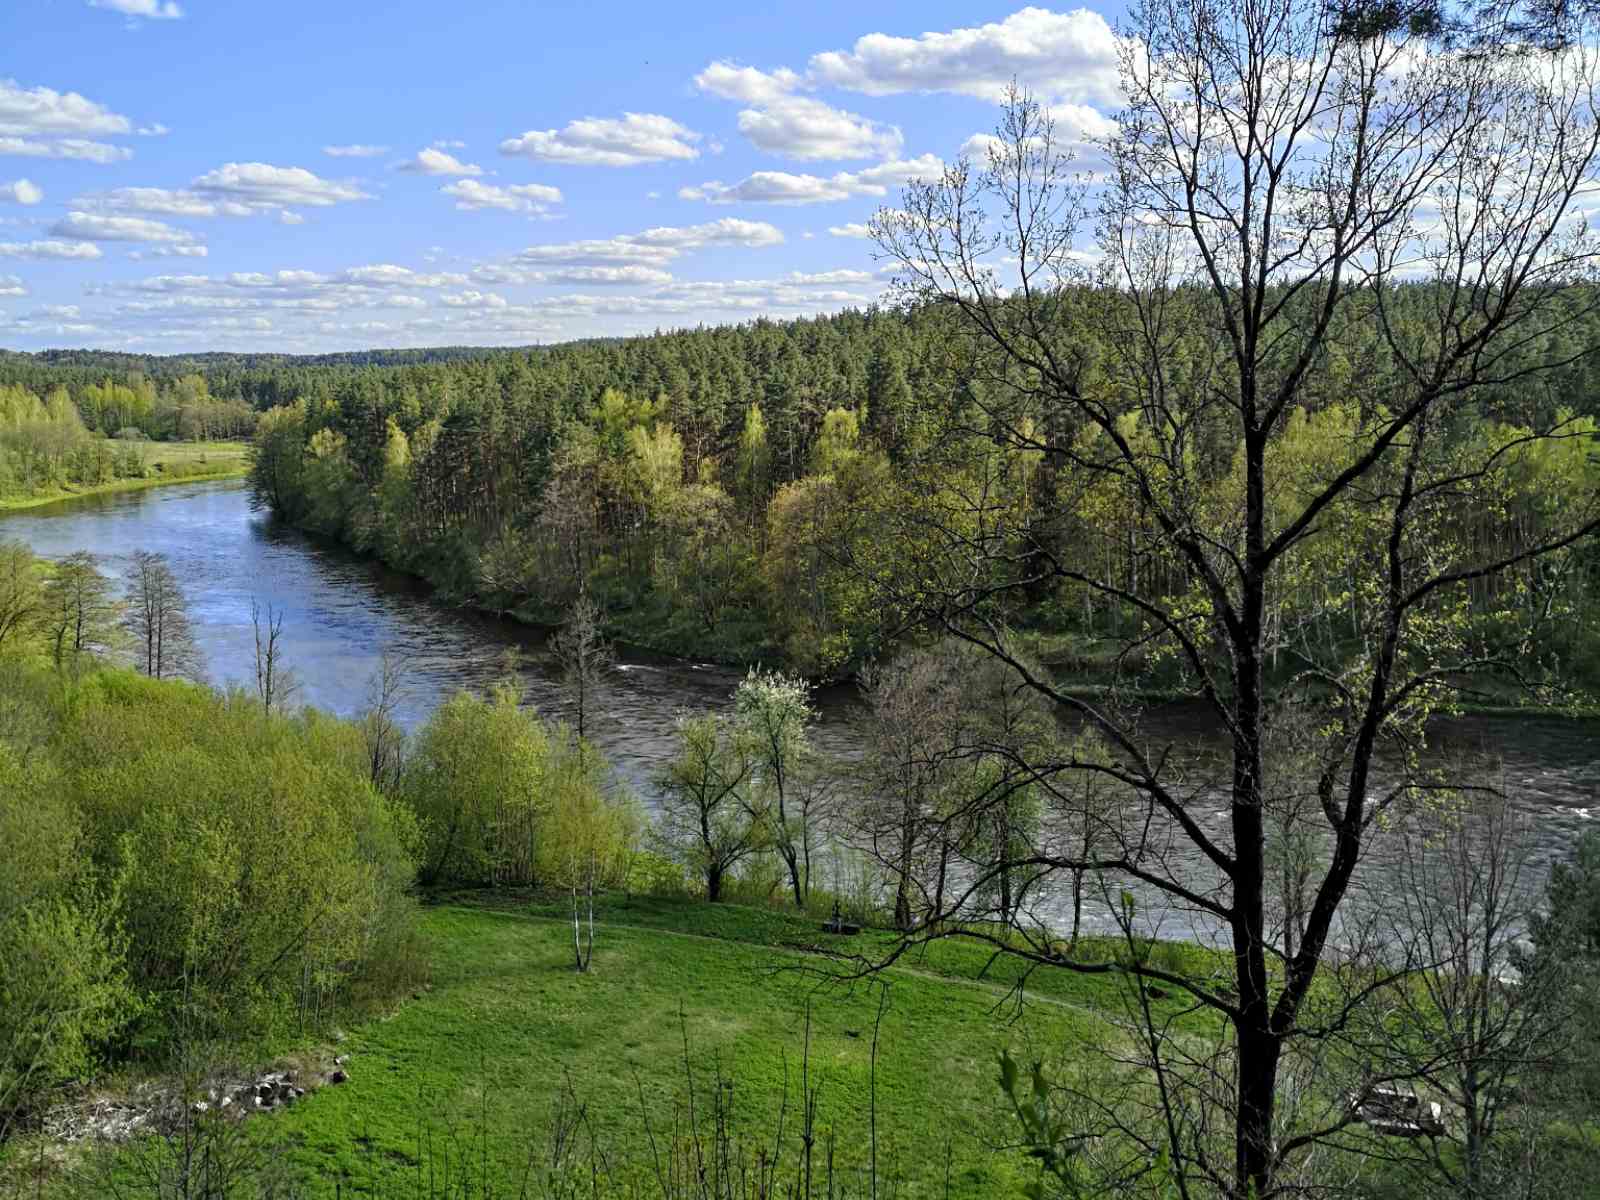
{"x": 153, "y": 1108}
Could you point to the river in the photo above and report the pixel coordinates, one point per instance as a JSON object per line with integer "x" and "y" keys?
{"x": 341, "y": 611}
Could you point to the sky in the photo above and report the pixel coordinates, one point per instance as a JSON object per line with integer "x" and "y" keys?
{"x": 191, "y": 175}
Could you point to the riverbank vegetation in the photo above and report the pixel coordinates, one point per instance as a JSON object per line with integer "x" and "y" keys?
{"x": 53, "y": 445}
{"x": 1309, "y": 436}
{"x": 201, "y": 878}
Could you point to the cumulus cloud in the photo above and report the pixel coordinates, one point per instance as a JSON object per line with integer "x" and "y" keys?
{"x": 23, "y": 191}
{"x": 619, "y": 276}
{"x": 94, "y": 227}
{"x": 783, "y": 187}
{"x": 389, "y": 275}
{"x": 73, "y": 148}
{"x": 183, "y": 250}
{"x": 42, "y": 111}
{"x": 356, "y": 150}
{"x": 1077, "y": 128}
{"x": 46, "y": 250}
{"x": 471, "y": 196}
{"x": 433, "y": 161}
{"x": 623, "y": 276}
{"x": 155, "y": 10}
{"x": 746, "y": 83}
{"x": 633, "y": 139}
{"x": 1063, "y": 56}
{"x": 473, "y": 300}
{"x": 262, "y": 185}
{"x": 654, "y": 247}
{"x": 855, "y": 229}
{"x": 800, "y": 127}
{"x": 163, "y": 202}
{"x": 11, "y": 285}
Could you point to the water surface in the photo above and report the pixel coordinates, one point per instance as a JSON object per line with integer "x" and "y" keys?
{"x": 341, "y": 611}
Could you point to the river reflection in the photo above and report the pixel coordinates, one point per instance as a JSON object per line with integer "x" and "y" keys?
{"x": 341, "y": 611}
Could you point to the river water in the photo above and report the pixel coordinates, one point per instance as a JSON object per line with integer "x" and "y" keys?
{"x": 341, "y": 611}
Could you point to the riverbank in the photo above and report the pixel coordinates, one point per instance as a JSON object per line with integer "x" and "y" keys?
{"x": 506, "y": 1041}
{"x": 176, "y": 462}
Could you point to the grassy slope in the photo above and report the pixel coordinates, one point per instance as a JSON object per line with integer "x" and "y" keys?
{"x": 171, "y": 462}
{"x": 506, "y": 1020}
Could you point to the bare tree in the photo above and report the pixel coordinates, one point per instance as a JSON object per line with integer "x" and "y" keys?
{"x": 275, "y": 682}
{"x": 912, "y": 703}
{"x": 1468, "y": 1030}
{"x": 157, "y": 616}
{"x": 387, "y": 690}
{"x": 1308, "y": 221}
{"x": 584, "y": 656}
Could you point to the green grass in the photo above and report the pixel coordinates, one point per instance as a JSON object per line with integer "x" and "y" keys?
{"x": 506, "y": 1024}
{"x": 167, "y": 462}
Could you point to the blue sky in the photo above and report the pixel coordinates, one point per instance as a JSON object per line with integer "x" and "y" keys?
{"x": 180, "y": 175}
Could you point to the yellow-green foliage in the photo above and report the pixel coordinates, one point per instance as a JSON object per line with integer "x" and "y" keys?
{"x": 178, "y": 852}
{"x": 489, "y": 783}
{"x": 63, "y": 985}
{"x": 254, "y": 857}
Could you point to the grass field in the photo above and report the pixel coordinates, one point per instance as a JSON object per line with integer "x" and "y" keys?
{"x": 168, "y": 462}
{"x": 478, "y": 1068}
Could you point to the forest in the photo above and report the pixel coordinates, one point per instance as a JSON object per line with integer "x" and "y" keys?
{"x": 709, "y": 488}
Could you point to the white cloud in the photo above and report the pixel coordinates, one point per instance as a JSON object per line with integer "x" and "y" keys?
{"x": 75, "y": 148}
{"x": 473, "y": 300}
{"x": 356, "y": 150}
{"x": 1077, "y": 126}
{"x": 11, "y": 285}
{"x": 437, "y": 162}
{"x": 746, "y": 83}
{"x": 93, "y": 227}
{"x": 290, "y": 218}
{"x": 654, "y": 247}
{"x": 167, "y": 202}
{"x": 623, "y": 276}
{"x": 608, "y": 142}
{"x": 800, "y": 127}
{"x": 155, "y": 10}
{"x": 183, "y": 250}
{"x": 389, "y": 275}
{"x": 42, "y": 111}
{"x": 618, "y": 276}
{"x": 49, "y": 250}
{"x": 1064, "y": 56}
{"x": 470, "y": 196}
{"x": 783, "y": 187}
{"x": 843, "y": 275}
{"x": 261, "y": 185}
{"x": 855, "y": 229}
{"x": 23, "y": 191}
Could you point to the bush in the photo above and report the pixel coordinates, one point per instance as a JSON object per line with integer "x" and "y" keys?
{"x": 64, "y": 991}
{"x": 251, "y": 873}
{"x": 484, "y": 779}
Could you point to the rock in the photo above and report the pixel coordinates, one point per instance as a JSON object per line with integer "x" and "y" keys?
{"x": 337, "y": 1075}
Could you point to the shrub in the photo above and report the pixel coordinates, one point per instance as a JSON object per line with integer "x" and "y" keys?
{"x": 63, "y": 988}
{"x": 260, "y": 876}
